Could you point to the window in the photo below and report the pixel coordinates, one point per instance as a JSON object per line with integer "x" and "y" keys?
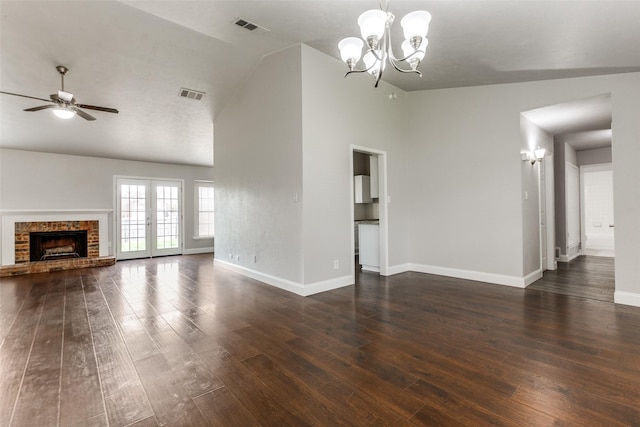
{"x": 204, "y": 209}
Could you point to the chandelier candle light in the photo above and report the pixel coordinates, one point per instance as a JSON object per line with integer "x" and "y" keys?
{"x": 375, "y": 28}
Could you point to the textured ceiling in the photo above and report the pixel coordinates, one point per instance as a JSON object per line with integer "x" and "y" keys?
{"x": 135, "y": 55}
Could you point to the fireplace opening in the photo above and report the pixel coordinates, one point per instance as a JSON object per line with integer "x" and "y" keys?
{"x": 52, "y": 245}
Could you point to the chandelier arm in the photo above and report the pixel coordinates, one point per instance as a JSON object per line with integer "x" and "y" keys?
{"x": 412, "y": 54}
{"x": 393, "y": 62}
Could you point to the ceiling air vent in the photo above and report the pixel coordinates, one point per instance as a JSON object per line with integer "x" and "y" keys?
{"x": 191, "y": 94}
{"x": 248, "y": 25}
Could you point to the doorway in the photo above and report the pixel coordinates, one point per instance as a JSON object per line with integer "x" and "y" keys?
{"x": 369, "y": 210}
{"x": 148, "y": 218}
{"x": 596, "y": 182}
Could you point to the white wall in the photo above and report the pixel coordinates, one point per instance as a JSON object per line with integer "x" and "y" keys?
{"x": 338, "y": 112}
{"x": 41, "y": 181}
{"x": 465, "y": 168}
{"x": 258, "y": 170}
{"x": 594, "y": 157}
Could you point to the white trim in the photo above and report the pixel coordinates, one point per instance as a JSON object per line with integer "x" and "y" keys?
{"x": 532, "y": 277}
{"x": 9, "y": 221}
{"x": 195, "y": 251}
{"x": 397, "y": 269}
{"x": 626, "y": 298}
{"x": 287, "y": 285}
{"x": 51, "y": 211}
{"x": 565, "y": 258}
{"x": 328, "y": 285}
{"x": 498, "y": 279}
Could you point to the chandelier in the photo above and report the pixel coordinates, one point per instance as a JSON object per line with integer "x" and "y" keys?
{"x": 375, "y": 28}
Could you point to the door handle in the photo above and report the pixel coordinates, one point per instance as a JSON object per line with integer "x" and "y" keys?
{"x": 610, "y": 225}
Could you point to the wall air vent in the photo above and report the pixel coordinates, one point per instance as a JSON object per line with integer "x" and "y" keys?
{"x": 248, "y": 25}
{"x": 190, "y": 94}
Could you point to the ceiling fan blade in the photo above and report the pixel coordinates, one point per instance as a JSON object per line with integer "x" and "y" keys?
{"x": 42, "y": 107}
{"x": 24, "y": 96}
{"x": 93, "y": 107}
{"x": 84, "y": 115}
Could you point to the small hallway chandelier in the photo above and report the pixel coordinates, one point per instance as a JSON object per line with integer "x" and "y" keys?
{"x": 375, "y": 28}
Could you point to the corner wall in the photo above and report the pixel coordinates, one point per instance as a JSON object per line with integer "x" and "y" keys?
{"x": 258, "y": 174}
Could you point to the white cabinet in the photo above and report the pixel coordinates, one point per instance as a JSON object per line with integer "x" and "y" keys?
{"x": 362, "y": 189}
{"x": 373, "y": 173}
{"x": 369, "y": 244}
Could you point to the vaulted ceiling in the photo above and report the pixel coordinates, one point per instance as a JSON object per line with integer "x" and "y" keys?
{"x": 136, "y": 55}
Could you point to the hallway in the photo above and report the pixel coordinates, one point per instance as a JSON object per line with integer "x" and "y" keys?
{"x": 586, "y": 277}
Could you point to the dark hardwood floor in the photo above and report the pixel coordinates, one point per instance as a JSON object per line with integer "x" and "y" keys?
{"x": 586, "y": 277}
{"x": 174, "y": 341}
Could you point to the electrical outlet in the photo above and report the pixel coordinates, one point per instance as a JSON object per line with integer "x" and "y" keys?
{"x": 230, "y": 256}
{"x": 255, "y": 258}
{"x": 336, "y": 264}
{"x": 237, "y": 257}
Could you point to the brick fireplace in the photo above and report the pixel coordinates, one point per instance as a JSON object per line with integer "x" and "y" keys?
{"x": 25, "y": 232}
{"x": 59, "y": 241}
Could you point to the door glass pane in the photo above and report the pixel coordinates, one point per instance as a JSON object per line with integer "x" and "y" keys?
{"x": 167, "y": 217}
{"x": 132, "y": 218}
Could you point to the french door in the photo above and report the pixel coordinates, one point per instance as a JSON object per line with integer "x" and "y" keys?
{"x": 149, "y": 218}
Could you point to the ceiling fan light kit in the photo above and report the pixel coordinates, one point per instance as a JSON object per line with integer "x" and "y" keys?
{"x": 64, "y": 113}
{"x": 64, "y": 104}
{"x": 375, "y": 29}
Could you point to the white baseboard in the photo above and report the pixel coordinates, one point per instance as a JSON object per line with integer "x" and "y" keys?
{"x": 288, "y": 285}
{"x": 397, "y": 269}
{"x": 328, "y": 285}
{"x": 605, "y": 252}
{"x": 565, "y": 258}
{"x": 532, "y": 277}
{"x": 626, "y": 298}
{"x": 498, "y": 279}
{"x": 195, "y": 251}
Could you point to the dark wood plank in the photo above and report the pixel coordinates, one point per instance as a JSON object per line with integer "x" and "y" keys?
{"x": 80, "y": 388}
{"x": 221, "y": 408}
{"x": 171, "y": 404}
{"x": 16, "y": 348}
{"x": 124, "y": 396}
{"x": 41, "y": 382}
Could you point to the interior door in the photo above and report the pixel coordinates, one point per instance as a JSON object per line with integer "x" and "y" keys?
{"x": 149, "y": 218}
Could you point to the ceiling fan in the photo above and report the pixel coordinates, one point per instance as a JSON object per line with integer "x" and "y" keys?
{"x": 64, "y": 103}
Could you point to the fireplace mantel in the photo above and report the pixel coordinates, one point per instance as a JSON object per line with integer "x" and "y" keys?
{"x": 12, "y": 216}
